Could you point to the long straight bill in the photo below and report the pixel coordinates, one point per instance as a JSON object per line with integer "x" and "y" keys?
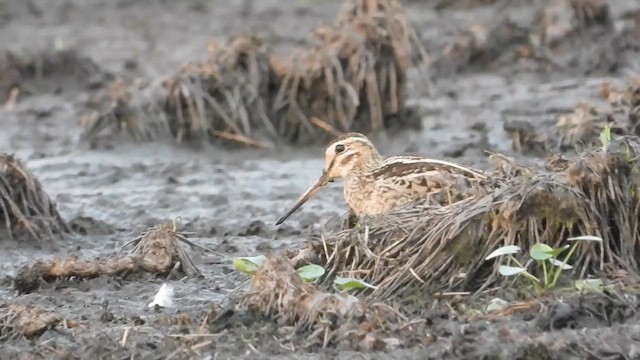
{"x": 321, "y": 182}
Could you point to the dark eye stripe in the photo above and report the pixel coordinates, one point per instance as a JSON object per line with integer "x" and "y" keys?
{"x": 346, "y": 159}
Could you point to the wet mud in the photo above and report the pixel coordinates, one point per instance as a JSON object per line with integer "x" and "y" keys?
{"x": 498, "y": 68}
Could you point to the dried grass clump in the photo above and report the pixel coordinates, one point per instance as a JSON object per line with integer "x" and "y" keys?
{"x": 226, "y": 97}
{"x": 353, "y": 79}
{"x": 279, "y": 293}
{"x": 443, "y": 248}
{"x": 125, "y": 109}
{"x": 157, "y": 250}
{"x": 25, "y": 208}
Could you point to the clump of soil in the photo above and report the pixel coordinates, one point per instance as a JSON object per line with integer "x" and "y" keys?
{"x": 26, "y": 321}
{"x": 26, "y": 210}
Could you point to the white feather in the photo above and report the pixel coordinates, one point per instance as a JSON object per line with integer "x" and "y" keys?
{"x": 164, "y": 296}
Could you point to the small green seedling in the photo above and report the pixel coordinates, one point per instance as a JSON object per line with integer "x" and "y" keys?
{"x": 546, "y": 257}
{"x": 350, "y": 283}
{"x": 589, "y": 285}
{"x": 250, "y": 264}
{"x": 310, "y": 272}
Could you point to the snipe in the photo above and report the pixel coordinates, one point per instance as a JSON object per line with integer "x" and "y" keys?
{"x": 374, "y": 185}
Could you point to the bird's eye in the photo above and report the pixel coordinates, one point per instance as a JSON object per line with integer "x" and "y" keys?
{"x": 339, "y": 148}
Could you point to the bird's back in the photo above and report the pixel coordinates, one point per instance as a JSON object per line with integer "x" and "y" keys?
{"x": 404, "y": 179}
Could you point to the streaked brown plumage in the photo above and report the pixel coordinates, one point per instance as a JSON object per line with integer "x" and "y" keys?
{"x": 374, "y": 185}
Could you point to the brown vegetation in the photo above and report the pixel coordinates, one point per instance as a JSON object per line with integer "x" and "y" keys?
{"x": 25, "y": 208}
{"x": 278, "y": 292}
{"x": 156, "y": 250}
{"x": 443, "y": 248}
{"x": 353, "y": 78}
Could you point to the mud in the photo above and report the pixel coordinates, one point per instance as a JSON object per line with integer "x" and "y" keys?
{"x": 115, "y": 189}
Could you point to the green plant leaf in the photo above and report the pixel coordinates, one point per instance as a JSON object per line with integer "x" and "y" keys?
{"x": 560, "y": 264}
{"x": 589, "y": 285}
{"x": 250, "y": 264}
{"x": 510, "y": 270}
{"x": 558, "y": 251}
{"x": 505, "y": 250}
{"x": 605, "y": 135}
{"x": 540, "y": 252}
{"x": 310, "y": 272}
{"x": 585, "y": 238}
{"x": 350, "y": 283}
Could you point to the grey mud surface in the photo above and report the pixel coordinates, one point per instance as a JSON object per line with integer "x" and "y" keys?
{"x": 233, "y": 198}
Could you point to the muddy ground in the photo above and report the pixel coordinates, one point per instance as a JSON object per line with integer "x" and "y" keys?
{"x": 112, "y": 191}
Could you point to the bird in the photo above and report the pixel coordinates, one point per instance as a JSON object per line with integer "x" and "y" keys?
{"x": 373, "y": 185}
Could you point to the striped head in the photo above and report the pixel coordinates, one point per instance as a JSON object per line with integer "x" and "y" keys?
{"x": 347, "y": 154}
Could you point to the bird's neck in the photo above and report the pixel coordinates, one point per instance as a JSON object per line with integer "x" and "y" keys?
{"x": 359, "y": 184}
{"x": 364, "y": 169}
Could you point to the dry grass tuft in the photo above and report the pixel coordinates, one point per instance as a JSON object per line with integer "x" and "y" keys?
{"x": 443, "y": 248}
{"x": 277, "y": 289}
{"x": 125, "y": 109}
{"x": 279, "y": 293}
{"x": 157, "y": 250}
{"x": 353, "y": 78}
{"x": 25, "y": 208}
{"x": 228, "y": 95}
{"x": 160, "y": 249}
